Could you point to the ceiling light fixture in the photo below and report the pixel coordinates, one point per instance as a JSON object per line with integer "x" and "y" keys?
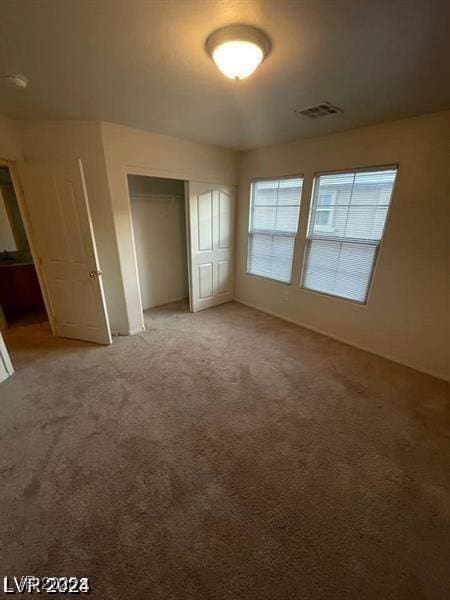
{"x": 238, "y": 49}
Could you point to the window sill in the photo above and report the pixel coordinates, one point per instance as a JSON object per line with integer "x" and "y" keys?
{"x": 288, "y": 284}
{"x": 362, "y": 303}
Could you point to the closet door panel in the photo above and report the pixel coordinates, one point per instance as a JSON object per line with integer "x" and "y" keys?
{"x": 211, "y": 222}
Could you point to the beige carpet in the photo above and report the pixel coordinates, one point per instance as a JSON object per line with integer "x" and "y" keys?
{"x": 224, "y": 455}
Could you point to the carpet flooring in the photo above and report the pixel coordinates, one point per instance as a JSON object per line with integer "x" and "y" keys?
{"x": 224, "y": 455}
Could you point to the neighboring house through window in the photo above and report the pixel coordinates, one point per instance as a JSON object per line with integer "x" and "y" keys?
{"x": 347, "y": 218}
{"x": 325, "y": 210}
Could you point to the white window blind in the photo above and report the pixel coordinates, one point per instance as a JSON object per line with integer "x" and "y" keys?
{"x": 346, "y": 222}
{"x": 274, "y": 212}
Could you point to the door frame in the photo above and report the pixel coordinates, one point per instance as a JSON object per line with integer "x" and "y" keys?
{"x": 20, "y": 196}
{"x": 187, "y": 218}
{"x": 147, "y": 170}
{"x": 160, "y": 174}
{"x": 5, "y": 359}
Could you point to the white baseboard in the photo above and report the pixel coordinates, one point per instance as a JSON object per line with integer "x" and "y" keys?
{"x": 345, "y": 341}
{"x": 137, "y": 330}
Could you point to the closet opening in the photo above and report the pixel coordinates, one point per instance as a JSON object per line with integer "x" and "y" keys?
{"x": 158, "y": 217}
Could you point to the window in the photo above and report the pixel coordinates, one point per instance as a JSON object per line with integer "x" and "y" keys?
{"x": 346, "y": 223}
{"x": 275, "y": 207}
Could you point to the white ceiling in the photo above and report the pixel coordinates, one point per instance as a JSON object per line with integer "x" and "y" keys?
{"x": 143, "y": 64}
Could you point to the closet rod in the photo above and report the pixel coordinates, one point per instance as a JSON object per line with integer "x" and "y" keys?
{"x": 152, "y": 195}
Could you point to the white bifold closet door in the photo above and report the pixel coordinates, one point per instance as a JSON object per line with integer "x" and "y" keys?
{"x": 211, "y": 223}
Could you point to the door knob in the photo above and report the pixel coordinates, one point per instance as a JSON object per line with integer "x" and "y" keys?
{"x": 95, "y": 274}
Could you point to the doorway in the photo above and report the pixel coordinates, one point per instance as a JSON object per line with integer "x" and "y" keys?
{"x": 159, "y": 230}
{"x": 21, "y": 298}
{"x": 63, "y": 287}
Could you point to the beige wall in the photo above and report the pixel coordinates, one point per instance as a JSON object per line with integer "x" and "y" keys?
{"x": 407, "y": 317}
{"x": 10, "y": 144}
{"x": 159, "y": 226}
{"x": 108, "y": 153}
{"x": 70, "y": 140}
{"x": 132, "y": 151}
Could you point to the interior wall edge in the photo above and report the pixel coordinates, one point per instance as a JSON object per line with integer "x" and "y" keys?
{"x": 406, "y": 317}
{"x": 62, "y": 140}
{"x": 10, "y": 140}
{"x": 130, "y": 151}
{"x": 122, "y": 326}
{"x": 347, "y": 132}
{"x": 135, "y": 331}
{"x": 387, "y": 356}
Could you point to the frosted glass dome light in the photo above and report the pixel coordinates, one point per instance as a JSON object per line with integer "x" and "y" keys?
{"x": 237, "y": 60}
{"x": 238, "y": 50}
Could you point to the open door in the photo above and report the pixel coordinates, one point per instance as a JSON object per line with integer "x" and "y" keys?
{"x": 60, "y": 220}
{"x": 211, "y": 221}
{"x": 6, "y": 368}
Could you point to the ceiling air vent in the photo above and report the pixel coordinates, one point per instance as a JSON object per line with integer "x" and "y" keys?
{"x": 319, "y": 110}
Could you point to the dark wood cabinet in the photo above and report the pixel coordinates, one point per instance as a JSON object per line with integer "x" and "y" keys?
{"x": 20, "y": 292}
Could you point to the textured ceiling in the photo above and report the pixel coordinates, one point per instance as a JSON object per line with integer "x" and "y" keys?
{"x": 143, "y": 64}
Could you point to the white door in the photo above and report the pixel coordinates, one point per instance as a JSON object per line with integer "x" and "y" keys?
{"x": 211, "y": 235}
{"x": 6, "y": 368}
{"x": 57, "y": 203}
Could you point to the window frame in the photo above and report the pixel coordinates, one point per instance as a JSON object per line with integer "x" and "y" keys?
{"x": 249, "y": 228}
{"x": 316, "y": 175}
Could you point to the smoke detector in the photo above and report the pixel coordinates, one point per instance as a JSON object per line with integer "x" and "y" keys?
{"x": 319, "y": 110}
{"x": 15, "y": 82}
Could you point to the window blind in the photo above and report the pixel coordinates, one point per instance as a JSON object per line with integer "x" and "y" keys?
{"x": 346, "y": 223}
{"x": 274, "y": 212}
